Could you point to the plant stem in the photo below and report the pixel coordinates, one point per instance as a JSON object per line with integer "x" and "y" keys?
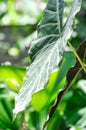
{"x": 24, "y": 124}
{"x": 77, "y": 56}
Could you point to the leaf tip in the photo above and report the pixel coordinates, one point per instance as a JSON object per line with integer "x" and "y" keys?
{"x": 14, "y": 116}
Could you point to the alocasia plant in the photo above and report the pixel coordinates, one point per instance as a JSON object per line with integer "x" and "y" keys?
{"x": 47, "y": 50}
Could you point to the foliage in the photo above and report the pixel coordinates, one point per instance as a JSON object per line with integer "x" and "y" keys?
{"x": 68, "y": 111}
{"x": 50, "y": 46}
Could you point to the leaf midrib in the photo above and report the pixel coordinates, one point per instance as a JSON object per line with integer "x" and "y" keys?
{"x": 58, "y": 18}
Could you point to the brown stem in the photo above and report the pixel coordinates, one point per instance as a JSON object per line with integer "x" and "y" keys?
{"x": 24, "y": 124}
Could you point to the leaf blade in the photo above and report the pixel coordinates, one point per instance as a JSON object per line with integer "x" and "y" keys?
{"x": 68, "y": 25}
{"x": 52, "y": 20}
{"x": 49, "y": 57}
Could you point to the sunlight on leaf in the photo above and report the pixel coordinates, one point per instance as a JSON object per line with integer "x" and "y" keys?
{"x": 49, "y": 93}
{"x": 12, "y": 76}
{"x": 47, "y": 50}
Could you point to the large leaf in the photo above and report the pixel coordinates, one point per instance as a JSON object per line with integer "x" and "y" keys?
{"x": 52, "y": 20}
{"x": 50, "y": 54}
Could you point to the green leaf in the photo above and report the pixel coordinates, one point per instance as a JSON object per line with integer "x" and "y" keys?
{"x": 56, "y": 123}
{"x": 12, "y": 76}
{"x": 70, "y": 76}
{"x": 52, "y": 20}
{"x": 75, "y": 112}
{"x": 49, "y": 93}
{"x": 6, "y": 115}
{"x": 82, "y": 85}
{"x": 48, "y": 58}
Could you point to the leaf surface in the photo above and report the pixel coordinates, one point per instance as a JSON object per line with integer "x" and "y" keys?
{"x": 70, "y": 76}
{"x": 12, "y": 76}
{"x": 48, "y": 49}
{"x": 52, "y": 20}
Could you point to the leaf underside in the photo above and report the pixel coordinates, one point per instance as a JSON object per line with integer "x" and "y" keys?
{"x": 47, "y": 50}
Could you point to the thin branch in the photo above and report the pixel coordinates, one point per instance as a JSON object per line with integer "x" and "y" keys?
{"x": 77, "y": 56}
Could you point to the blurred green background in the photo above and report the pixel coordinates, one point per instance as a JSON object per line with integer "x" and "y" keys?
{"x": 18, "y": 24}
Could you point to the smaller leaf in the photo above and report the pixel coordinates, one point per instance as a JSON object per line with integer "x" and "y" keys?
{"x": 12, "y": 76}
{"x": 82, "y": 85}
{"x": 6, "y": 107}
{"x": 75, "y": 110}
